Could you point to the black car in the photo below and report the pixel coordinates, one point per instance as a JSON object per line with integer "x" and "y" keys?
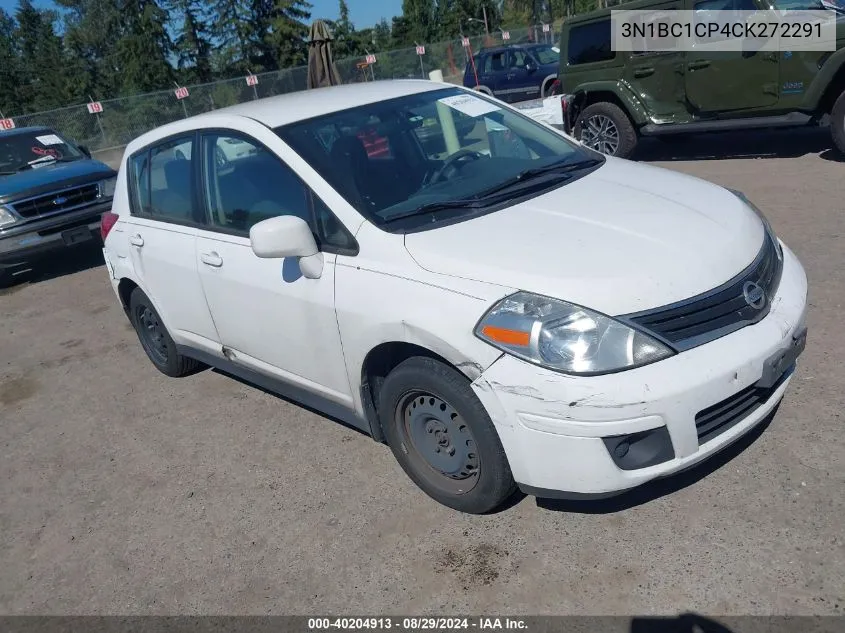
{"x": 52, "y": 194}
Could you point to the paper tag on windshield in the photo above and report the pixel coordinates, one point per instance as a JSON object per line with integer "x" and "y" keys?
{"x": 469, "y": 105}
{"x": 49, "y": 139}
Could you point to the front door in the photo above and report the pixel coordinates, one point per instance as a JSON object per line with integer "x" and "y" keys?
{"x": 271, "y": 318}
{"x": 729, "y": 80}
{"x": 523, "y": 81}
{"x": 161, "y": 233}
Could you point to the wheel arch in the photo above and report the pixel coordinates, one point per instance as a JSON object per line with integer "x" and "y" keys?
{"x": 385, "y": 357}
{"x": 611, "y": 92}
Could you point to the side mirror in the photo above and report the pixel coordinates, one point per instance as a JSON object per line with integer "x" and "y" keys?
{"x": 85, "y": 150}
{"x": 288, "y": 236}
{"x": 530, "y": 67}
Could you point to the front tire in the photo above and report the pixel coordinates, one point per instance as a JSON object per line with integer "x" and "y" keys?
{"x": 606, "y": 128}
{"x": 443, "y": 438}
{"x": 837, "y": 123}
{"x": 156, "y": 340}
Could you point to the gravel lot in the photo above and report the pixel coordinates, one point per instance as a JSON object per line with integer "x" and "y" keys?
{"x": 124, "y": 492}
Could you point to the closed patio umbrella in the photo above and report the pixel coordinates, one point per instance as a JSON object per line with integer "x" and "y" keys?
{"x": 321, "y": 68}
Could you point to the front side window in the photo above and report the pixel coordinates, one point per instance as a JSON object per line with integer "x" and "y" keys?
{"x": 590, "y": 43}
{"x": 245, "y": 183}
{"x": 447, "y": 147}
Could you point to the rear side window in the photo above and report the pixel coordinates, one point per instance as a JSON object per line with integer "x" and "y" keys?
{"x": 162, "y": 183}
{"x": 590, "y": 43}
{"x": 495, "y": 62}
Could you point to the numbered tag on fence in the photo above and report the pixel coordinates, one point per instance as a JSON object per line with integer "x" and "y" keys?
{"x": 371, "y": 59}
{"x": 182, "y": 93}
{"x": 7, "y": 124}
{"x": 95, "y": 107}
{"x": 546, "y": 28}
{"x": 465, "y": 42}
{"x": 420, "y": 50}
{"x": 252, "y": 80}
{"x": 506, "y": 35}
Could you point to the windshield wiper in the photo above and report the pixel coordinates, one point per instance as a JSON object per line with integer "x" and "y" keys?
{"x": 431, "y": 207}
{"x": 559, "y": 168}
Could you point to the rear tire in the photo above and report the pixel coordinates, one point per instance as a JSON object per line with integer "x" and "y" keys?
{"x": 606, "y": 128}
{"x": 837, "y": 123}
{"x": 443, "y": 438}
{"x": 156, "y": 340}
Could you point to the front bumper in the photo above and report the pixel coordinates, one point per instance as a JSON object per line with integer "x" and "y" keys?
{"x": 21, "y": 245}
{"x": 554, "y": 427}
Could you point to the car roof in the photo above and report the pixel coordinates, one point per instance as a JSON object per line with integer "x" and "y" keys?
{"x": 298, "y": 106}
{"x": 307, "y": 104}
{"x": 496, "y": 49}
{"x": 24, "y": 130}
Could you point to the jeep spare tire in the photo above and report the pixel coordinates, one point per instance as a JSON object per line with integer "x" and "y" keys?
{"x": 605, "y": 128}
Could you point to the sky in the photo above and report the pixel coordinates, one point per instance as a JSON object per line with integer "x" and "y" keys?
{"x": 363, "y": 13}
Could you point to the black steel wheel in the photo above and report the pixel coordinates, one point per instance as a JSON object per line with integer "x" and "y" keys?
{"x": 443, "y": 437}
{"x": 156, "y": 340}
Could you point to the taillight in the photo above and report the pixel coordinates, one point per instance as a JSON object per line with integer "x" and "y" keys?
{"x": 107, "y": 222}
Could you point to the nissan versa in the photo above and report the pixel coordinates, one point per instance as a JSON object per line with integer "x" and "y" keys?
{"x": 505, "y": 309}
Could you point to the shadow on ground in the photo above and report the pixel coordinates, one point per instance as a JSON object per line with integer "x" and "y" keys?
{"x": 790, "y": 143}
{"x": 66, "y": 262}
{"x": 661, "y": 487}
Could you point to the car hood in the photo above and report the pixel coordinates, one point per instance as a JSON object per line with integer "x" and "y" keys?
{"x": 625, "y": 238}
{"x": 52, "y": 177}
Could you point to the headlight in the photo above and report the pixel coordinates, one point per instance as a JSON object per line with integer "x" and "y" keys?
{"x": 6, "y": 217}
{"x": 566, "y": 337}
{"x": 770, "y": 232}
{"x": 107, "y": 187}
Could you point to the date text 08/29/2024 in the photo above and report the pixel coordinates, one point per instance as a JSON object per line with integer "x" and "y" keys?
{"x": 416, "y": 623}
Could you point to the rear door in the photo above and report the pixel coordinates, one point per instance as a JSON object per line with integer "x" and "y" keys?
{"x": 161, "y": 234}
{"x": 495, "y": 71}
{"x": 730, "y": 80}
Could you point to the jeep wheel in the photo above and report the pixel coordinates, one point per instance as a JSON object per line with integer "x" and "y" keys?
{"x": 837, "y": 123}
{"x": 605, "y": 128}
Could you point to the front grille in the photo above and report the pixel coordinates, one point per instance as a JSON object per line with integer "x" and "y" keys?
{"x": 719, "y": 312}
{"x": 715, "y": 420}
{"x": 59, "y": 201}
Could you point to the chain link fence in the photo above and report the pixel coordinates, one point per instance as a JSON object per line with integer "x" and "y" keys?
{"x": 126, "y": 118}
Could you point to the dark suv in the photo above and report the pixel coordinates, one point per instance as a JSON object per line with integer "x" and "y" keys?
{"x": 613, "y": 98}
{"x": 52, "y": 194}
{"x": 515, "y": 73}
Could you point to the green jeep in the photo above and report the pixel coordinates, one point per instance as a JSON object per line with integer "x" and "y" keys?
{"x": 614, "y": 98}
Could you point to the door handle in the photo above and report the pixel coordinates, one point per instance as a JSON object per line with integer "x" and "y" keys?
{"x": 643, "y": 71}
{"x": 698, "y": 64}
{"x": 136, "y": 240}
{"x": 211, "y": 259}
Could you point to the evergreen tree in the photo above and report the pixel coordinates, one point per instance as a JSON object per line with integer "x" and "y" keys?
{"x": 420, "y": 17}
{"x": 39, "y": 86}
{"x": 144, "y": 47}
{"x": 229, "y": 32}
{"x": 9, "y": 65}
{"x": 284, "y": 40}
{"x": 192, "y": 45}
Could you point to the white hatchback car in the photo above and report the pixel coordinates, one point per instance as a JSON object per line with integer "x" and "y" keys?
{"x": 503, "y": 306}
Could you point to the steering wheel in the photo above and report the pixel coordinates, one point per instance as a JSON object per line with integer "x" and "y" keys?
{"x": 452, "y": 164}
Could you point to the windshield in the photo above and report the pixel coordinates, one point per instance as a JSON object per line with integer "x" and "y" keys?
{"x": 31, "y": 150}
{"x": 390, "y": 158}
{"x": 546, "y": 54}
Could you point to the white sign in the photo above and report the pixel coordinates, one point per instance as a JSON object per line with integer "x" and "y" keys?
{"x": 420, "y": 50}
{"x": 371, "y": 59}
{"x": 546, "y": 28}
{"x": 506, "y": 35}
{"x": 95, "y": 107}
{"x": 49, "y": 139}
{"x": 181, "y": 93}
{"x": 252, "y": 80}
{"x": 465, "y": 42}
{"x": 7, "y": 124}
{"x": 469, "y": 105}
